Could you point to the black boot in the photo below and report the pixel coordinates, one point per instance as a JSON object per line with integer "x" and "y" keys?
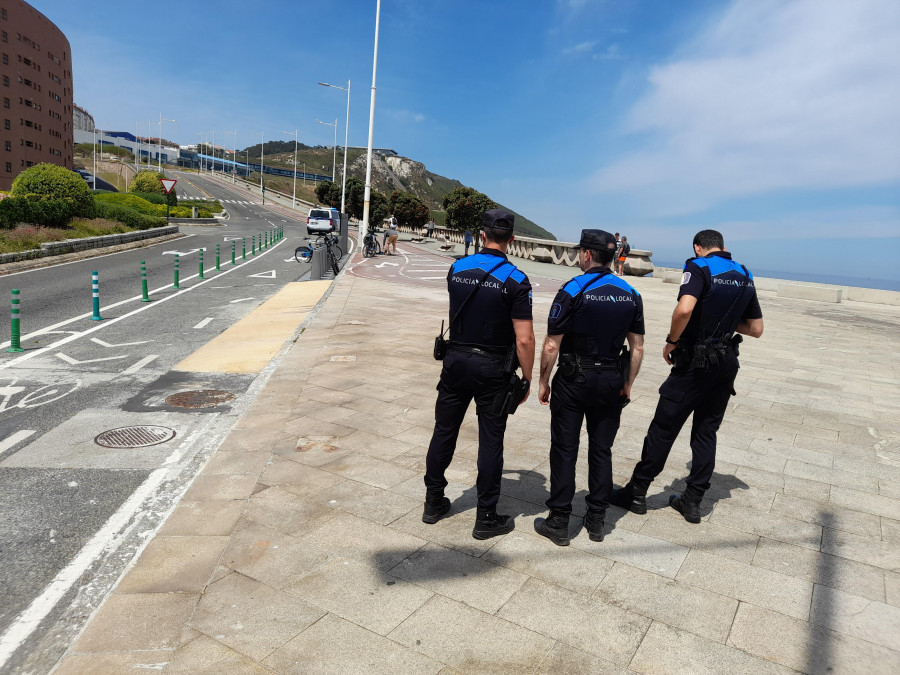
{"x": 436, "y": 507}
{"x": 632, "y": 497}
{"x": 488, "y": 523}
{"x": 555, "y": 527}
{"x": 688, "y": 504}
{"x": 593, "y": 523}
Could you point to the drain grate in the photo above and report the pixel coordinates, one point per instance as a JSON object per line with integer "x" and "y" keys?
{"x": 202, "y": 398}
{"x": 135, "y": 437}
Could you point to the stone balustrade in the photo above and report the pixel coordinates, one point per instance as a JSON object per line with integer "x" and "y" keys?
{"x": 637, "y": 264}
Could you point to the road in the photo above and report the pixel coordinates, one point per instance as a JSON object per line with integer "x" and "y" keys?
{"x": 62, "y": 493}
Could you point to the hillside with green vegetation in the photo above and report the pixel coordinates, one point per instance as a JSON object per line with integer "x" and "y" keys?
{"x": 388, "y": 174}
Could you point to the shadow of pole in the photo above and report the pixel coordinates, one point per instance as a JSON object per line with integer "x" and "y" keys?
{"x": 820, "y": 643}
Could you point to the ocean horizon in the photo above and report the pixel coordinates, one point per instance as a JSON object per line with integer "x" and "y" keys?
{"x": 833, "y": 279}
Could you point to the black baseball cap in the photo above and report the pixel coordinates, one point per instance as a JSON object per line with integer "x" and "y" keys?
{"x": 498, "y": 219}
{"x": 596, "y": 239}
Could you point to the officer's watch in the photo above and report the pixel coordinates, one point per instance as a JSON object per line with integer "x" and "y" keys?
{"x": 671, "y": 342}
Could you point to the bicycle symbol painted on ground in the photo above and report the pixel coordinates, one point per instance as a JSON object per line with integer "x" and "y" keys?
{"x": 14, "y": 397}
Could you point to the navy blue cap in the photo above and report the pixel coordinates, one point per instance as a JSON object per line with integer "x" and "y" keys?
{"x": 596, "y": 239}
{"x": 498, "y": 219}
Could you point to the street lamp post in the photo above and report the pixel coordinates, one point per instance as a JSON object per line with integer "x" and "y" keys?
{"x": 364, "y": 226}
{"x": 199, "y": 134}
{"x": 262, "y": 158}
{"x": 296, "y": 134}
{"x": 159, "y": 157}
{"x": 233, "y": 153}
{"x": 346, "y": 137}
{"x": 333, "y": 147}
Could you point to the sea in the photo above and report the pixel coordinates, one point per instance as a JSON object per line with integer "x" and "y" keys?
{"x": 859, "y": 282}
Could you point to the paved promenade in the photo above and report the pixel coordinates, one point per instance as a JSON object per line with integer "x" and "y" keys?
{"x": 300, "y": 548}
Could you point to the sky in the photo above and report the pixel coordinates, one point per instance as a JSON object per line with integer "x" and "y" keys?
{"x": 772, "y": 121}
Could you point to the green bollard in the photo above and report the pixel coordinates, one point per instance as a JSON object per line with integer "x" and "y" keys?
{"x": 232, "y": 252}
{"x": 266, "y": 239}
{"x": 176, "y": 284}
{"x": 14, "y": 328}
{"x": 200, "y": 276}
{"x": 253, "y": 242}
{"x": 145, "y": 296}
{"x": 217, "y": 257}
{"x": 95, "y": 291}
{"x": 244, "y": 243}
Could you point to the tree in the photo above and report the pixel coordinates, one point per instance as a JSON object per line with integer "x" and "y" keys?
{"x": 328, "y": 193}
{"x": 355, "y": 195}
{"x": 465, "y": 208}
{"x": 379, "y": 208}
{"x": 149, "y": 181}
{"x": 44, "y": 182}
{"x": 409, "y": 209}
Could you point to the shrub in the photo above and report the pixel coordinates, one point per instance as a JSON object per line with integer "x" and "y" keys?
{"x": 49, "y": 181}
{"x": 132, "y": 201}
{"x": 129, "y": 217}
{"x": 27, "y": 237}
{"x": 11, "y": 212}
{"x": 148, "y": 181}
{"x": 203, "y": 205}
{"x": 152, "y": 197}
{"x": 96, "y": 227}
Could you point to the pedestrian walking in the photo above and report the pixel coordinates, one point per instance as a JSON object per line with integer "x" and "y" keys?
{"x": 591, "y": 318}
{"x": 717, "y": 304}
{"x": 491, "y": 334}
{"x": 468, "y": 240}
{"x": 624, "y": 250}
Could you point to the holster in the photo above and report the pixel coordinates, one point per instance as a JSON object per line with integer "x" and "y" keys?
{"x": 440, "y": 348}
{"x": 506, "y": 401}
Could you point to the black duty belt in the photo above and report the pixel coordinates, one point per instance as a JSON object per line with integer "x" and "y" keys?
{"x": 478, "y": 351}
{"x": 577, "y": 362}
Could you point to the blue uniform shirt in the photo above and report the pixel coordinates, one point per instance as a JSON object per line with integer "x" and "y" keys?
{"x": 505, "y": 295}
{"x": 715, "y": 280}
{"x": 594, "y": 314}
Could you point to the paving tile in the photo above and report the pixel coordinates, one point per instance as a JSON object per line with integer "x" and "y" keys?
{"x": 827, "y": 515}
{"x": 768, "y": 525}
{"x": 669, "y": 525}
{"x": 744, "y": 582}
{"x": 137, "y": 621}
{"x": 491, "y": 644}
{"x": 687, "y": 607}
{"x": 585, "y": 623}
{"x": 250, "y": 617}
{"x": 865, "y": 502}
{"x": 892, "y": 588}
{"x": 336, "y": 646}
{"x": 359, "y": 593}
{"x": 174, "y": 565}
{"x": 476, "y": 582}
{"x": 205, "y": 656}
{"x": 366, "y": 501}
{"x": 289, "y": 513}
{"x": 564, "y": 659}
{"x": 113, "y": 663}
{"x": 806, "y": 647}
{"x": 835, "y": 477}
{"x": 536, "y": 556}
{"x": 356, "y": 538}
{"x": 452, "y": 531}
{"x": 638, "y": 550}
{"x": 298, "y": 479}
{"x": 221, "y": 486}
{"x": 667, "y": 651}
{"x": 853, "y": 615}
{"x": 862, "y": 549}
{"x": 821, "y": 568}
{"x": 235, "y": 462}
{"x": 256, "y": 439}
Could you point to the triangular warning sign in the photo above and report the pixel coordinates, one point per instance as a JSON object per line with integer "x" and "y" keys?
{"x": 263, "y": 275}
{"x": 168, "y": 184}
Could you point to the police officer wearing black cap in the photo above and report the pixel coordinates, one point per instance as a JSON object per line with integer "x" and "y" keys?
{"x": 491, "y": 332}
{"x": 591, "y": 318}
{"x": 717, "y": 299}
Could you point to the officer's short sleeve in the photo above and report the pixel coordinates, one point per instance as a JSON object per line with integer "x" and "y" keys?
{"x": 693, "y": 280}
{"x": 753, "y": 310}
{"x": 561, "y": 314}
{"x": 637, "y": 323}
{"x": 519, "y": 289}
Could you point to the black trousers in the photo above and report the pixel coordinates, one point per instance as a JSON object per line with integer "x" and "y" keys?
{"x": 597, "y": 400}
{"x": 464, "y": 377}
{"x": 686, "y": 391}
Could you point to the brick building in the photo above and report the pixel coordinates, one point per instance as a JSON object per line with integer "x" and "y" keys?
{"x": 36, "y": 91}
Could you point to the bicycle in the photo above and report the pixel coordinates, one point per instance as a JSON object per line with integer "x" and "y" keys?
{"x": 371, "y": 246}
{"x": 333, "y": 251}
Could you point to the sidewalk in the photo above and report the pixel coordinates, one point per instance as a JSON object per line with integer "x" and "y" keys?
{"x": 300, "y": 548}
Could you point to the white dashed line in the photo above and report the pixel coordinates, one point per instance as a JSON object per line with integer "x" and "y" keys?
{"x": 203, "y": 323}
{"x": 140, "y": 364}
{"x": 12, "y": 439}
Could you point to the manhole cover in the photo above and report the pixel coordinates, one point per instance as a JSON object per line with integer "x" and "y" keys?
{"x": 203, "y": 398}
{"x": 135, "y": 437}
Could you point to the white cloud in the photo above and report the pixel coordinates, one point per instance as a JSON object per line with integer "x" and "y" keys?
{"x": 774, "y": 95}
{"x": 580, "y": 48}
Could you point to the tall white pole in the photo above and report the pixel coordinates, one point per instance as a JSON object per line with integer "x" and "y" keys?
{"x": 138, "y": 141}
{"x": 94, "y": 177}
{"x": 159, "y": 156}
{"x": 334, "y": 154}
{"x": 346, "y": 137}
{"x": 364, "y": 226}
{"x": 296, "y": 135}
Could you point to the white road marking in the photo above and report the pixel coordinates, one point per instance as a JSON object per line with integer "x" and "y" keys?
{"x": 12, "y": 439}
{"x": 429, "y": 278}
{"x": 263, "y": 275}
{"x": 140, "y": 364}
{"x": 203, "y": 323}
{"x": 182, "y": 253}
{"x": 123, "y": 344}
{"x": 385, "y": 264}
{"x": 239, "y": 300}
{"x": 75, "y": 362}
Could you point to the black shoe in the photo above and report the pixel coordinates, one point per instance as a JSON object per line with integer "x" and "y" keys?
{"x": 436, "y": 507}
{"x": 631, "y": 498}
{"x": 593, "y": 523}
{"x": 555, "y": 527}
{"x": 688, "y": 504}
{"x": 488, "y": 523}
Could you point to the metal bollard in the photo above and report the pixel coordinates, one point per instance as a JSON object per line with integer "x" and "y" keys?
{"x": 14, "y": 328}
{"x": 95, "y": 291}
{"x": 267, "y": 239}
{"x": 253, "y": 242}
{"x": 176, "y": 284}
{"x": 200, "y": 276}
{"x": 232, "y": 252}
{"x": 244, "y": 243}
{"x": 217, "y": 257}
{"x": 145, "y": 296}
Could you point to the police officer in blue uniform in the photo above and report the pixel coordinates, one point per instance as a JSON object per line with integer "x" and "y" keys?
{"x": 717, "y": 299}
{"x": 591, "y": 318}
{"x": 491, "y": 332}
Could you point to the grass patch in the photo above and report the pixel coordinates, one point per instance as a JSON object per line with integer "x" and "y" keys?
{"x": 202, "y": 205}
{"x": 27, "y": 237}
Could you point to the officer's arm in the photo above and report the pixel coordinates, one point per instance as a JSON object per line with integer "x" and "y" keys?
{"x": 751, "y": 327}
{"x": 524, "y": 329}
{"x": 548, "y": 359}
{"x": 680, "y": 318}
{"x": 636, "y": 348}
